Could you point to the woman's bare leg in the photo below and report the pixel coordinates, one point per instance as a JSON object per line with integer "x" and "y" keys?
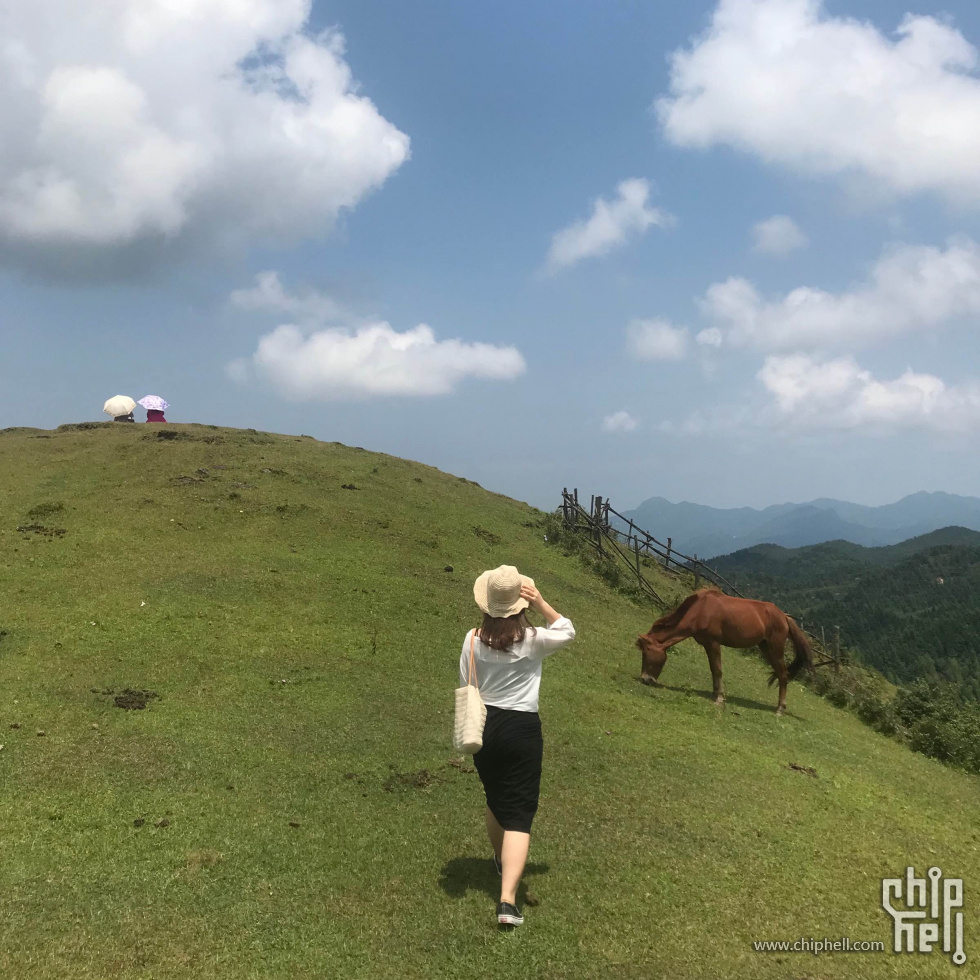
{"x": 495, "y": 832}
{"x": 513, "y": 857}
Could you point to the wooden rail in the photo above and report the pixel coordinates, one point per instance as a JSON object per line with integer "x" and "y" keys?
{"x": 593, "y": 525}
{"x": 632, "y": 543}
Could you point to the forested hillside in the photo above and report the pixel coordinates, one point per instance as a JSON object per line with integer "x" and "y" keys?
{"x": 911, "y": 610}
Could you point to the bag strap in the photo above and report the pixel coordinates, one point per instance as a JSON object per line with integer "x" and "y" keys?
{"x": 472, "y": 672}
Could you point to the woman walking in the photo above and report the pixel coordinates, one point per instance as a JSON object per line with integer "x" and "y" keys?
{"x": 508, "y": 654}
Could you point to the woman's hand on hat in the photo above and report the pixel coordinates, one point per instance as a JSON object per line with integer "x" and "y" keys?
{"x": 532, "y": 595}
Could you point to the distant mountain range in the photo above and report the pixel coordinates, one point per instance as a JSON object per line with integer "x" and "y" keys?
{"x": 709, "y": 531}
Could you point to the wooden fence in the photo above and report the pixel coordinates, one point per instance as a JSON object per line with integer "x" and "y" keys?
{"x": 593, "y": 526}
{"x": 630, "y": 544}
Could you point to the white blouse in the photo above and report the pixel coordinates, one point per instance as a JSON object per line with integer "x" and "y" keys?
{"x": 511, "y": 678}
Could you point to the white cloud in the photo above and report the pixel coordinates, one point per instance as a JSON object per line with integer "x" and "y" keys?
{"x": 611, "y": 225}
{"x": 911, "y": 288}
{"x": 820, "y": 94}
{"x": 336, "y": 363}
{"x": 238, "y": 370}
{"x": 656, "y": 340}
{"x": 839, "y": 394}
{"x": 327, "y": 361}
{"x": 269, "y": 296}
{"x": 710, "y": 337}
{"x": 619, "y": 422}
{"x": 777, "y": 235}
{"x": 716, "y": 420}
{"x": 139, "y": 124}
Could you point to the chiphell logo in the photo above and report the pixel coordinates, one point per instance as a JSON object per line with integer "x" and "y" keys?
{"x": 928, "y": 914}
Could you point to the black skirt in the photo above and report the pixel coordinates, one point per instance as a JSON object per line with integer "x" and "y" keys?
{"x": 509, "y": 765}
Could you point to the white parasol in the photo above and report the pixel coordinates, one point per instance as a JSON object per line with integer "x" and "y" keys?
{"x": 119, "y": 405}
{"x": 153, "y": 403}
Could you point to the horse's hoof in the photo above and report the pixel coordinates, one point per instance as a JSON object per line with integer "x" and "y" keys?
{"x": 719, "y": 702}
{"x": 780, "y": 712}
{"x": 649, "y": 681}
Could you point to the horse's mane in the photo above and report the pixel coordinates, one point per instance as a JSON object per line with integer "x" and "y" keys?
{"x": 673, "y": 618}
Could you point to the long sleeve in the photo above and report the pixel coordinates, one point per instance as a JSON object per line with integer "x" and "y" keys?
{"x": 549, "y": 639}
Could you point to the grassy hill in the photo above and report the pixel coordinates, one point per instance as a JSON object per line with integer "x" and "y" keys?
{"x": 288, "y": 804}
{"x": 911, "y": 610}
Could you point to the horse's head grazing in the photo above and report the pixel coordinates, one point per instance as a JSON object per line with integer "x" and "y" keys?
{"x": 652, "y": 658}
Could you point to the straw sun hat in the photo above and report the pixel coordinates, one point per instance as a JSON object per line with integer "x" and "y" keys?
{"x": 498, "y": 591}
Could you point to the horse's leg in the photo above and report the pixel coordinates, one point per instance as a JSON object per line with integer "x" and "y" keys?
{"x": 774, "y": 653}
{"x": 713, "y": 649}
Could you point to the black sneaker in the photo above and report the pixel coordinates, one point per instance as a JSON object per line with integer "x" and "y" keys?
{"x": 496, "y": 864}
{"x": 509, "y": 915}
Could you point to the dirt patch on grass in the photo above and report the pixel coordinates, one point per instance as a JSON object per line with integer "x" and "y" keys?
{"x": 133, "y": 700}
{"x": 401, "y": 781}
{"x": 45, "y": 510}
{"x": 169, "y": 435}
{"x": 485, "y": 535}
{"x": 809, "y": 770}
{"x": 292, "y": 510}
{"x": 205, "y": 858}
{"x": 83, "y": 426}
{"x": 42, "y": 530}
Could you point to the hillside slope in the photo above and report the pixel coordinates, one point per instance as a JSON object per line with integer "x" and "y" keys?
{"x": 288, "y": 805}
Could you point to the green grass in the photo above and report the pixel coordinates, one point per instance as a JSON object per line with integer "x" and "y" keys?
{"x": 303, "y": 640}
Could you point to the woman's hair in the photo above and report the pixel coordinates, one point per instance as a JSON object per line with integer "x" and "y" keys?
{"x": 501, "y": 633}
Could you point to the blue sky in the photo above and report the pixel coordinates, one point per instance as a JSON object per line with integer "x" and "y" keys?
{"x": 716, "y": 251}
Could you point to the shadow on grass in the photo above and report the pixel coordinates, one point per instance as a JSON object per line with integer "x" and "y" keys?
{"x": 463, "y": 873}
{"x": 731, "y": 701}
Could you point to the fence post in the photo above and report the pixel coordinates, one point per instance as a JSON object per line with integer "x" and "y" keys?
{"x": 597, "y": 519}
{"x": 667, "y": 559}
{"x": 836, "y": 649}
{"x": 697, "y": 573}
{"x": 636, "y": 551}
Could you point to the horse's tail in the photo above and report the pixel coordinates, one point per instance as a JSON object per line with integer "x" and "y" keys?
{"x": 803, "y": 659}
{"x": 801, "y": 645}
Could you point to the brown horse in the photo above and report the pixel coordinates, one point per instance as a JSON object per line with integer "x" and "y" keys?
{"x": 714, "y": 619}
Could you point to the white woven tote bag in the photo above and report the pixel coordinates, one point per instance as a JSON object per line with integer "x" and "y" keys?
{"x": 471, "y": 712}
